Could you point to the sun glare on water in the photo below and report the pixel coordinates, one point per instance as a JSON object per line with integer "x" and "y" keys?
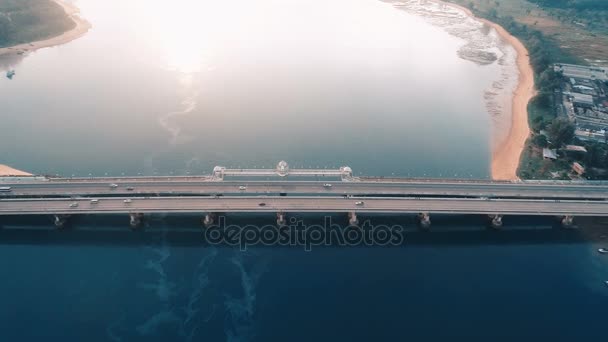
{"x": 187, "y": 32}
{"x": 197, "y": 35}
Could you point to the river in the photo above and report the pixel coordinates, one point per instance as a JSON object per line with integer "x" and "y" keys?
{"x": 159, "y": 87}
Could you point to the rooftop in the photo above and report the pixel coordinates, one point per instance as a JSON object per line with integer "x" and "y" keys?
{"x": 576, "y": 148}
{"x": 551, "y": 154}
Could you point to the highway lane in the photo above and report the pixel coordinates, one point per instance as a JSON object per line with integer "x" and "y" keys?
{"x": 197, "y": 186}
{"x": 117, "y": 205}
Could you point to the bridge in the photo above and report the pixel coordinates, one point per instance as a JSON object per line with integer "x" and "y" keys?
{"x": 213, "y": 194}
{"x": 283, "y": 170}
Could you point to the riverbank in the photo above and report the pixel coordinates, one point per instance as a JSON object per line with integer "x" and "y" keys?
{"x": 506, "y": 156}
{"x": 82, "y": 26}
{"x": 6, "y": 170}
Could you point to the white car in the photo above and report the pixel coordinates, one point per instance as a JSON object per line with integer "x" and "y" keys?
{"x": 127, "y": 201}
{"x": 94, "y": 201}
{"x": 73, "y": 205}
{"x": 359, "y": 203}
{"x": 327, "y": 185}
{"x": 113, "y": 186}
{"x": 242, "y": 188}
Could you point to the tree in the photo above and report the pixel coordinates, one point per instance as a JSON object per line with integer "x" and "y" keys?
{"x": 540, "y": 141}
{"x": 548, "y": 80}
{"x": 597, "y": 155}
{"x": 561, "y": 131}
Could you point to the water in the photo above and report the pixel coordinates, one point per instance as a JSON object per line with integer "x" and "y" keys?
{"x": 355, "y": 88}
{"x": 181, "y": 88}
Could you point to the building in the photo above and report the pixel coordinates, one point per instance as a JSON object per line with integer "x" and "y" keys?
{"x": 581, "y": 71}
{"x": 549, "y": 154}
{"x": 585, "y": 90}
{"x": 589, "y": 135}
{"x": 583, "y": 100}
{"x": 576, "y": 148}
{"x": 578, "y": 168}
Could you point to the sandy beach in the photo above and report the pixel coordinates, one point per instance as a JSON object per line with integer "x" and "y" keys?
{"x": 506, "y": 156}
{"x": 9, "y": 171}
{"x": 82, "y": 26}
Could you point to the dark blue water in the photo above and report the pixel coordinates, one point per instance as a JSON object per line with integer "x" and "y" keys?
{"x": 460, "y": 281}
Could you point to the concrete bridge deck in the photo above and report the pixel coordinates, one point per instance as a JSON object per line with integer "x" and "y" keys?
{"x": 213, "y": 194}
{"x": 174, "y": 186}
{"x": 244, "y": 204}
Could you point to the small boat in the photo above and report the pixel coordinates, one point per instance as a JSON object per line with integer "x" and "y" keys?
{"x": 10, "y": 74}
{"x": 603, "y": 250}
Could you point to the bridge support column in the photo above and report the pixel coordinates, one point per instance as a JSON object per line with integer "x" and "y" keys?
{"x": 209, "y": 219}
{"x": 567, "y": 221}
{"x": 135, "y": 220}
{"x": 424, "y": 219}
{"x": 281, "y": 219}
{"x": 61, "y": 220}
{"x": 352, "y": 218}
{"x": 495, "y": 221}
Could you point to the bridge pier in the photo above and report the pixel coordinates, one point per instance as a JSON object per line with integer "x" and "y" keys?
{"x": 135, "y": 220}
{"x": 567, "y": 221}
{"x": 281, "y": 219}
{"x": 61, "y": 220}
{"x": 209, "y": 219}
{"x": 495, "y": 221}
{"x": 424, "y": 219}
{"x": 352, "y": 218}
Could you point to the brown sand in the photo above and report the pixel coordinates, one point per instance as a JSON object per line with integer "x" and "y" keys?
{"x": 9, "y": 171}
{"x": 82, "y": 26}
{"x": 506, "y": 157}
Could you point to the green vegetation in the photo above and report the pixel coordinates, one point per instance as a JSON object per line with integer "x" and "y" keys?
{"x": 561, "y": 132}
{"x": 592, "y": 14}
{"x": 579, "y": 5}
{"x": 543, "y": 53}
{"x": 540, "y": 141}
{"x": 553, "y": 31}
{"x": 23, "y": 21}
{"x": 578, "y": 27}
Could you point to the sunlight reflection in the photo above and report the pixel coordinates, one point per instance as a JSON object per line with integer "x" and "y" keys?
{"x": 186, "y": 31}
{"x": 195, "y": 35}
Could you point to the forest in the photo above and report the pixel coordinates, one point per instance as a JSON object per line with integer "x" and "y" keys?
{"x": 23, "y": 21}
{"x": 579, "y": 5}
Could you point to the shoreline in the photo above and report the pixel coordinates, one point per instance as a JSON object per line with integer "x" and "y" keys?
{"x": 506, "y": 157}
{"x": 82, "y": 26}
{"x": 6, "y": 170}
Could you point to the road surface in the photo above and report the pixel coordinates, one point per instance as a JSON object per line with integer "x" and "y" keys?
{"x": 245, "y": 204}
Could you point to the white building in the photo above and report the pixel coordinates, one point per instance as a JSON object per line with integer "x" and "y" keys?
{"x": 581, "y": 71}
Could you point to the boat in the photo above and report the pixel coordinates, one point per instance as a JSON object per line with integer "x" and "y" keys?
{"x": 603, "y": 250}
{"x": 10, "y": 74}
